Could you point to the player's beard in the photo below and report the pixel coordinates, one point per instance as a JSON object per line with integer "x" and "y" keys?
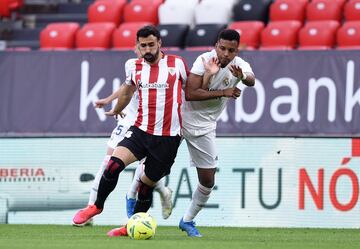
{"x": 149, "y": 57}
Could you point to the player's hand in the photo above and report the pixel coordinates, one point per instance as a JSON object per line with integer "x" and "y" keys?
{"x": 232, "y": 92}
{"x": 212, "y": 66}
{"x": 236, "y": 71}
{"x": 100, "y": 103}
{"x": 112, "y": 113}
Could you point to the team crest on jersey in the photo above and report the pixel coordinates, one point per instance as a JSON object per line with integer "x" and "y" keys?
{"x": 226, "y": 81}
{"x": 172, "y": 71}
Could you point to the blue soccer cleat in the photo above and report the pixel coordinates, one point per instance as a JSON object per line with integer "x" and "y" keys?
{"x": 130, "y": 206}
{"x": 189, "y": 228}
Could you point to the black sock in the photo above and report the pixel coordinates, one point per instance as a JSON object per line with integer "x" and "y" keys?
{"x": 109, "y": 180}
{"x": 144, "y": 198}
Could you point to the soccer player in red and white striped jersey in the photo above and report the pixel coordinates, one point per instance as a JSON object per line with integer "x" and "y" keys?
{"x": 159, "y": 80}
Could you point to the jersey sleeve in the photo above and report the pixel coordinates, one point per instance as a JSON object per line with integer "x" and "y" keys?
{"x": 129, "y": 71}
{"x": 246, "y": 68}
{"x": 198, "y": 66}
{"x": 183, "y": 70}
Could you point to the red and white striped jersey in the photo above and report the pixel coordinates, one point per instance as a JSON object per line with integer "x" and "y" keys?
{"x": 160, "y": 89}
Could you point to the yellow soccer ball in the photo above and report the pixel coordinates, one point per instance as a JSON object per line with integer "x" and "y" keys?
{"x": 141, "y": 226}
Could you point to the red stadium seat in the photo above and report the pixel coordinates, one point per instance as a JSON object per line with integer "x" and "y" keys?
{"x": 140, "y": 11}
{"x": 95, "y": 36}
{"x": 106, "y": 11}
{"x": 280, "y": 35}
{"x": 352, "y": 10}
{"x": 7, "y": 6}
{"x": 320, "y": 10}
{"x": 348, "y": 35}
{"x": 341, "y": 2}
{"x": 249, "y": 33}
{"x": 58, "y": 36}
{"x": 318, "y": 35}
{"x": 124, "y": 36}
{"x": 283, "y": 10}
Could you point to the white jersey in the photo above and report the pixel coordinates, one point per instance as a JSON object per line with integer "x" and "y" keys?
{"x": 123, "y": 124}
{"x": 160, "y": 93}
{"x": 199, "y": 117}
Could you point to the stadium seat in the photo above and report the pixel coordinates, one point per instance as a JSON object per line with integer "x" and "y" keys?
{"x": 249, "y": 33}
{"x": 318, "y": 35}
{"x": 176, "y": 12}
{"x": 320, "y": 10}
{"x": 124, "y": 37}
{"x": 352, "y": 10}
{"x": 280, "y": 35}
{"x": 7, "y": 6}
{"x": 95, "y": 36}
{"x": 284, "y": 10}
{"x": 203, "y": 35}
{"x": 141, "y": 11}
{"x": 106, "y": 11}
{"x": 340, "y": 2}
{"x": 58, "y": 36}
{"x": 172, "y": 35}
{"x": 250, "y": 10}
{"x": 213, "y": 11}
{"x": 348, "y": 35}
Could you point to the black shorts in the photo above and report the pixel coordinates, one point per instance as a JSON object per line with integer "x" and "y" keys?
{"x": 160, "y": 151}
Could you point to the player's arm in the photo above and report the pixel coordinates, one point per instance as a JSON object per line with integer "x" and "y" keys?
{"x": 105, "y": 101}
{"x": 124, "y": 95}
{"x": 246, "y": 77}
{"x": 194, "y": 89}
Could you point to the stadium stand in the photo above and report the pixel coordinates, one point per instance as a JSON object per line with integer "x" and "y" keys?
{"x": 177, "y": 12}
{"x": 59, "y": 36}
{"x": 203, "y": 36}
{"x": 249, "y": 33}
{"x": 318, "y": 35}
{"x": 280, "y": 35}
{"x": 95, "y": 36}
{"x": 352, "y": 10}
{"x": 246, "y": 10}
{"x": 284, "y": 10}
{"x": 106, "y": 11}
{"x": 319, "y": 10}
{"x": 124, "y": 36}
{"x": 172, "y": 35}
{"x": 348, "y": 35}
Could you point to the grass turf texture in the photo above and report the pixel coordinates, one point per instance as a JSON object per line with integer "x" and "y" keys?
{"x": 56, "y": 236}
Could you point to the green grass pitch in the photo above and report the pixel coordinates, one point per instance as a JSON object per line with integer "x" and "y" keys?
{"x": 64, "y": 237}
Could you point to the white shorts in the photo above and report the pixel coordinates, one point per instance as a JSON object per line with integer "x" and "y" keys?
{"x": 202, "y": 150}
{"x": 117, "y": 135}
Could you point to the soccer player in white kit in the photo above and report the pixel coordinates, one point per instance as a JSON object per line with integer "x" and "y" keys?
{"x": 212, "y": 81}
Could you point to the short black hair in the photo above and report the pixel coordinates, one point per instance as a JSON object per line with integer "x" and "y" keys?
{"x": 229, "y": 35}
{"x": 147, "y": 31}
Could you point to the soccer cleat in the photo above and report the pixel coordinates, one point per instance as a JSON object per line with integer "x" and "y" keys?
{"x": 84, "y": 216}
{"x": 121, "y": 231}
{"x": 130, "y": 206}
{"x": 189, "y": 228}
{"x": 166, "y": 203}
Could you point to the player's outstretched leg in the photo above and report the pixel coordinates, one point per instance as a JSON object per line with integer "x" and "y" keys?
{"x": 189, "y": 228}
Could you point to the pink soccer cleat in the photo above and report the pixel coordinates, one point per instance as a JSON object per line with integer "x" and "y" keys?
{"x": 84, "y": 216}
{"x": 121, "y": 231}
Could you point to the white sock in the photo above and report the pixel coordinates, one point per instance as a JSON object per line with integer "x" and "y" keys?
{"x": 160, "y": 187}
{"x": 199, "y": 199}
{"x": 95, "y": 186}
{"x": 131, "y": 194}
